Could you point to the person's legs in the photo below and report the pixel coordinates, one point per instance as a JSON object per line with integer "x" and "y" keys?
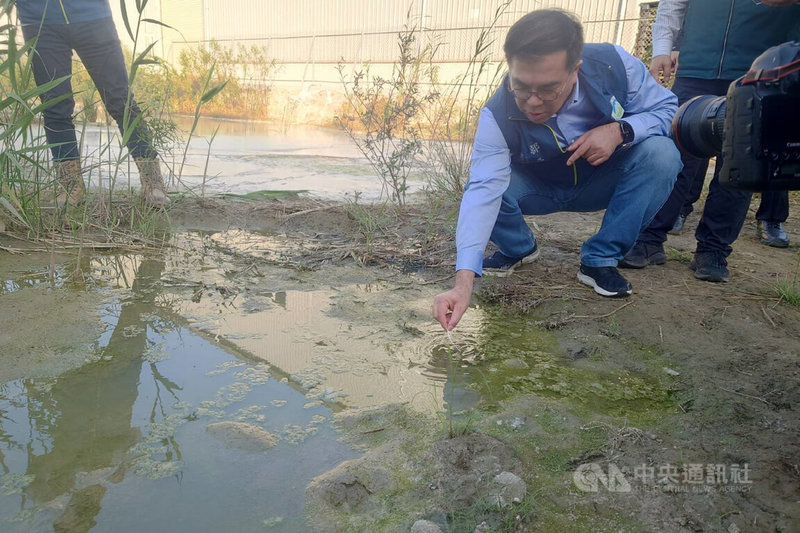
{"x": 51, "y": 59}
{"x": 774, "y": 206}
{"x": 696, "y": 184}
{"x": 525, "y": 195}
{"x": 97, "y": 44}
{"x": 695, "y": 168}
{"x": 772, "y": 213}
{"x": 723, "y": 217}
{"x": 722, "y": 220}
{"x": 690, "y": 180}
{"x": 631, "y": 186}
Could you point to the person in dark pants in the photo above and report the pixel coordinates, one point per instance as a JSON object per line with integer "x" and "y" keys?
{"x": 773, "y": 210}
{"x": 57, "y": 27}
{"x": 719, "y": 43}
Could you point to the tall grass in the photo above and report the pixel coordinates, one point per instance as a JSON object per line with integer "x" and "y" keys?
{"x": 26, "y": 182}
{"x": 413, "y": 119}
{"x": 23, "y": 151}
{"x": 453, "y": 118}
{"x": 788, "y": 290}
{"x": 383, "y": 117}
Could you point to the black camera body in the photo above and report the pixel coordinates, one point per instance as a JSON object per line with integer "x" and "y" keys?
{"x": 755, "y": 128}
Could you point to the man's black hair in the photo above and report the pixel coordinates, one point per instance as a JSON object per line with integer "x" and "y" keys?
{"x": 544, "y": 32}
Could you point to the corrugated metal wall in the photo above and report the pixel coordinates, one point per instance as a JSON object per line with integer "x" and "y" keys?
{"x": 148, "y": 32}
{"x": 325, "y": 31}
{"x": 187, "y": 17}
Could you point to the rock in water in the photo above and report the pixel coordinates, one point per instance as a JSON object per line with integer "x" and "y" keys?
{"x": 425, "y": 526}
{"x": 242, "y": 436}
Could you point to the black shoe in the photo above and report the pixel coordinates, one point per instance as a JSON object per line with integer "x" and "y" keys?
{"x": 677, "y": 228}
{"x": 643, "y": 254}
{"x": 501, "y": 265}
{"x": 606, "y": 281}
{"x": 771, "y": 233}
{"x": 710, "y": 266}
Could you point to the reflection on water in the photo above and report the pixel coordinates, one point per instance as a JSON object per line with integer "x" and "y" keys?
{"x": 120, "y": 444}
{"x": 206, "y": 404}
{"x": 211, "y": 391}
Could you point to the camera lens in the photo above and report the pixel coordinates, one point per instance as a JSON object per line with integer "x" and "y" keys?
{"x": 698, "y": 126}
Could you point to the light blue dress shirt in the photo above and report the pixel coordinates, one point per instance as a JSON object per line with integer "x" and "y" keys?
{"x": 649, "y": 111}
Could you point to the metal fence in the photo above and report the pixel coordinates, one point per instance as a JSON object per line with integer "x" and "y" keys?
{"x": 358, "y": 31}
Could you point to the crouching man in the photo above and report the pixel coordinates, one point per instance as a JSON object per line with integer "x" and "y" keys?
{"x": 572, "y": 128}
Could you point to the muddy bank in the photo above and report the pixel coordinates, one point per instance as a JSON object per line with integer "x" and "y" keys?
{"x": 687, "y": 391}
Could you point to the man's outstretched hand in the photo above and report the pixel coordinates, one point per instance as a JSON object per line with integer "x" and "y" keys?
{"x": 449, "y": 307}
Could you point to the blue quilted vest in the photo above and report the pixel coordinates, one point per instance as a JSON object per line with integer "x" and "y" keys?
{"x": 534, "y": 148}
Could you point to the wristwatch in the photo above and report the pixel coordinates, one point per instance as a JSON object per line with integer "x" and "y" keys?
{"x": 627, "y": 132}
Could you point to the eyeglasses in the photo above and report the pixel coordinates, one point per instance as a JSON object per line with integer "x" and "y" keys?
{"x": 545, "y": 95}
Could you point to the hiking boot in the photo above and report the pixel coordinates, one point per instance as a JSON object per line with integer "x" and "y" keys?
{"x": 643, "y": 254}
{"x": 771, "y": 233}
{"x": 69, "y": 183}
{"x": 502, "y": 265}
{"x": 677, "y": 228}
{"x": 710, "y": 266}
{"x": 152, "y": 183}
{"x": 606, "y": 281}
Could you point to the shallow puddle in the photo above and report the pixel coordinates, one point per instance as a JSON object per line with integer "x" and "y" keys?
{"x": 123, "y": 442}
{"x": 201, "y": 395}
{"x": 207, "y": 402}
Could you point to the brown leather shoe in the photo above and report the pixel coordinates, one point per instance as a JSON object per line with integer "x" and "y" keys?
{"x": 69, "y": 183}
{"x": 152, "y": 183}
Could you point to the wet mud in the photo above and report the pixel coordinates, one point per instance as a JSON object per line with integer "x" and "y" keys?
{"x": 280, "y": 362}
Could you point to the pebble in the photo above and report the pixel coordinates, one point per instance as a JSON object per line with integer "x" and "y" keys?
{"x": 425, "y": 526}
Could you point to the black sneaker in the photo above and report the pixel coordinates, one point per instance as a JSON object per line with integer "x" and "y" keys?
{"x": 606, "y": 281}
{"x": 502, "y": 265}
{"x": 771, "y": 233}
{"x": 643, "y": 254}
{"x": 677, "y": 228}
{"x": 710, "y": 266}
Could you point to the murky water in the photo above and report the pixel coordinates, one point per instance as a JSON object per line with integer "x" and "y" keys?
{"x": 205, "y": 406}
{"x": 123, "y": 443}
{"x": 207, "y": 402}
{"x": 245, "y": 157}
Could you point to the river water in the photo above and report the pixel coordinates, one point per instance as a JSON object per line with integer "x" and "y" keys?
{"x": 244, "y": 157}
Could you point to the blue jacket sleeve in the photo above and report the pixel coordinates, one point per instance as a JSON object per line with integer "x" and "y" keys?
{"x": 490, "y": 173}
{"x": 650, "y": 106}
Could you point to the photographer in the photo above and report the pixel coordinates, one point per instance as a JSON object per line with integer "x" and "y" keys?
{"x": 721, "y": 38}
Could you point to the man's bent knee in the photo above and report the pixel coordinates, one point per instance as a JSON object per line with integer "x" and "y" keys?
{"x": 661, "y": 154}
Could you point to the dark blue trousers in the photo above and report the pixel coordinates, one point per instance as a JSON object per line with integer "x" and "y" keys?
{"x": 725, "y": 209}
{"x": 97, "y": 44}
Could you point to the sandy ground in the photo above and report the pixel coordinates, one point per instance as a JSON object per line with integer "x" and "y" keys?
{"x": 718, "y": 451}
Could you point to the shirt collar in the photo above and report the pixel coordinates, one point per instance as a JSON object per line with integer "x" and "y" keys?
{"x": 572, "y": 100}
{"x": 576, "y": 95}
